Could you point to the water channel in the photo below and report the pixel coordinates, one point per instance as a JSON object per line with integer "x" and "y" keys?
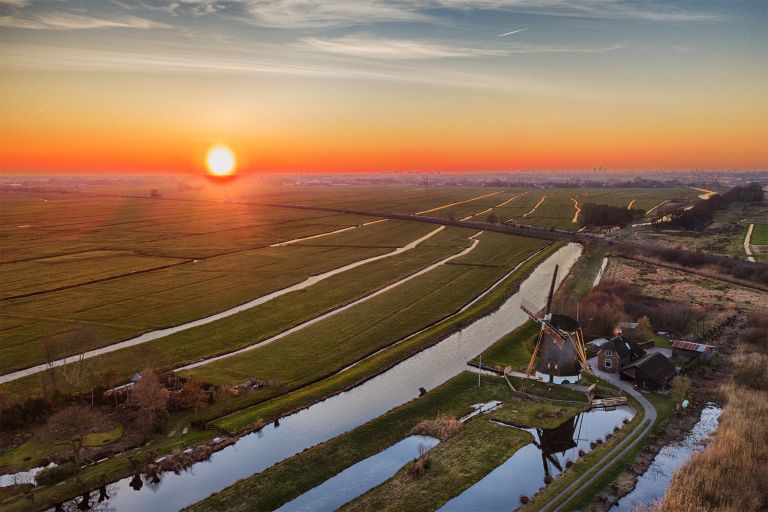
{"x": 652, "y": 485}
{"x": 256, "y": 452}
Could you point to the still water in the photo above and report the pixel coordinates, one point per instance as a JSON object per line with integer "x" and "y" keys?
{"x": 524, "y": 472}
{"x": 359, "y": 478}
{"x": 652, "y": 485}
{"x": 258, "y": 451}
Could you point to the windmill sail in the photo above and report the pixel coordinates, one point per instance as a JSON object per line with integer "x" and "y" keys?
{"x": 560, "y": 345}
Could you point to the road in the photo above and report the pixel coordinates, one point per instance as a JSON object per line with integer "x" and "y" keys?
{"x": 585, "y": 480}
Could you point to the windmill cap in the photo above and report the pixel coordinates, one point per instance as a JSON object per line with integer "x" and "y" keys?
{"x": 564, "y": 323}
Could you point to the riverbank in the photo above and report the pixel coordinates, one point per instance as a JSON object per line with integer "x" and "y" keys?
{"x": 290, "y": 478}
{"x": 124, "y": 464}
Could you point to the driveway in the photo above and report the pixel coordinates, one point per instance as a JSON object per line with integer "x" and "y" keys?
{"x": 586, "y": 479}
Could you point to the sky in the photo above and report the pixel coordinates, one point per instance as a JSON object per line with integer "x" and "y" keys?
{"x": 147, "y": 86}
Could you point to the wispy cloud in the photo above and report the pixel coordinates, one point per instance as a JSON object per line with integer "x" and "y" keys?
{"x": 385, "y": 48}
{"x": 517, "y": 49}
{"x": 66, "y": 21}
{"x": 641, "y": 10}
{"x": 314, "y": 13}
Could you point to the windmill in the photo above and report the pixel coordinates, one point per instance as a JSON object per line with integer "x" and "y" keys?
{"x": 563, "y": 354}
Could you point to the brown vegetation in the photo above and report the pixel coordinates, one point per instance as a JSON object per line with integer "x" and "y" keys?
{"x": 149, "y": 398}
{"x": 421, "y": 465}
{"x": 69, "y": 426}
{"x": 730, "y": 474}
{"x": 614, "y": 301}
{"x": 442, "y": 428}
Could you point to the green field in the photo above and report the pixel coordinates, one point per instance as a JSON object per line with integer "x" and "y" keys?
{"x": 368, "y": 327}
{"x": 760, "y": 234}
{"x": 85, "y": 271}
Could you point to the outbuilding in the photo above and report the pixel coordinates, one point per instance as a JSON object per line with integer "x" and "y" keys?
{"x": 688, "y": 351}
{"x": 652, "y": 372}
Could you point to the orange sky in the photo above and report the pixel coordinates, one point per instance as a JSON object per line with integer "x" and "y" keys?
{"x": 683, "y": 91}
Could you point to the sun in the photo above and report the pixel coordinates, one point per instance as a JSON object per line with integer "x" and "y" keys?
{"x": 220, "y": 161}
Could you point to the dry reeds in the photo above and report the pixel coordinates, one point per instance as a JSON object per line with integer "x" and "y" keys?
{"x": 421, "y": 465}
{"x": 442, "y": 428}
{"x": 730, "y": 474}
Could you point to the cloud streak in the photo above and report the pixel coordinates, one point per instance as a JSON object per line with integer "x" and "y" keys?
{"x": 384, "y": 48}
{"x": 637, "y": 10}
{"x": 66, "y": 21}
{"x": 513, "y": 32}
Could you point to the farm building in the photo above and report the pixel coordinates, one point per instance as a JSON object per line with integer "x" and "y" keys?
{"x": 652, "y": 371}
{"x": 689, "y": 351}
{"x": 617, "y": 353}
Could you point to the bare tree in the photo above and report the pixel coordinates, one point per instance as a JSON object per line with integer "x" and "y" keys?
{"x": 150, "y": 398}
{"x": 69, "y": 426}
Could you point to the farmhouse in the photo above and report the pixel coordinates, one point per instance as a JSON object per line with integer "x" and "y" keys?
{"x": 688, "y": 351}
{"x": 617, "y": 353}
{"x": 652, "y": 371}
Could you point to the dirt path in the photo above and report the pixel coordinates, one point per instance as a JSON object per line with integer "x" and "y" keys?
{"x": 706, "y": 193}
{"x": 747, "y": 243}
{"x": 575, "y": 218}
{"x": 456, "y": 203}
{"x": 534, "y": 208}
{"x": 487, "y": 210}
{"x": 161, "y": 333}
{"x": 338, "y": 310}
{"x": 657, "y": 206}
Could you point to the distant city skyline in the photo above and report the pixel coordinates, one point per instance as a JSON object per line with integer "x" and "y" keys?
{"x": 141, "y": 86}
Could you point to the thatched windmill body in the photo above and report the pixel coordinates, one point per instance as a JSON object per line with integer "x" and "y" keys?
{"x": 560, "y": 346}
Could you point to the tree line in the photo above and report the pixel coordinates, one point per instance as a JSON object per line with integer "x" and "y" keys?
{"x": 702, "y": 213}
{"x": 593, "y": 214}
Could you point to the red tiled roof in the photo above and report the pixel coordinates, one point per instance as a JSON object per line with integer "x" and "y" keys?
{"x": 689, "y": 345}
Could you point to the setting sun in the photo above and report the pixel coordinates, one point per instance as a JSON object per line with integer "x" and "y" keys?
{"x": 220, "y": 161}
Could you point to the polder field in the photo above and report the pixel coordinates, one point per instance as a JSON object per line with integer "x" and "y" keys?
{"x": 276, "y": 307}
{"x": 82, "y": 271}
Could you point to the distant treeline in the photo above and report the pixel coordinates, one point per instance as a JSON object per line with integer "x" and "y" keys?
{"x": 635, "y": 183}
{"x": 700, "y": 216}
{"x": 593, "y": 214}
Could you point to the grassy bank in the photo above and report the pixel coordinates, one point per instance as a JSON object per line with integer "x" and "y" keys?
{"x": 455, "y": 468}
{"x": 456, "y": 464}
{"x": 514, "y": 349}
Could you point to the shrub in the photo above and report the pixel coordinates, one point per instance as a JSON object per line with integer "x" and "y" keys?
{"x": 55, "y": 474}
{"x": 442, "y": 428}
{"x": 421, "y": 465}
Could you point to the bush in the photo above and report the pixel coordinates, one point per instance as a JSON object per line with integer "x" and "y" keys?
{"x": 33, "y": 411}
{"x": 55, "y": 474}
{"x": 442, "y": 427}
{"x": 418, "y": 467}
